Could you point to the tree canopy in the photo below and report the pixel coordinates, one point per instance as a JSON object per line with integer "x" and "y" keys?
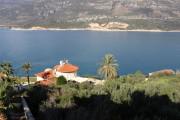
{"x": 109, "y": 67}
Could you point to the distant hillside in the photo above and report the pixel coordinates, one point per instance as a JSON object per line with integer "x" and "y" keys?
{"x": 139, "y": 14}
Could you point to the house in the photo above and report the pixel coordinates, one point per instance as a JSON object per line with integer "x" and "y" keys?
{"x": 45, "y": 75}
{"x": 64, "y": 68}
{"x": 165, "y": 72}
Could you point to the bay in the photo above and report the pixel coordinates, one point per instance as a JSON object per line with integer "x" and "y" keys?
{"x": 145, "y": 51}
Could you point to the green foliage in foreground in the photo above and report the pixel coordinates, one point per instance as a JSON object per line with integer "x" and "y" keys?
{"x": 6, "y": 93}
{"x": 126, "y": 98}
{"x": 6, "y": 68}
{"x": 3, "y": 88}
{"x": 61, "y": 80}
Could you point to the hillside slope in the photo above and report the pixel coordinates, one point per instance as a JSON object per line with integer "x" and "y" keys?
{"x": 139, "y": 14}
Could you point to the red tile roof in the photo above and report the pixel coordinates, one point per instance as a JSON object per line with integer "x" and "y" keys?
{"x": 46, "y": 74}
{"x": 66, "y": 68}
{"x": 167, "y": 72}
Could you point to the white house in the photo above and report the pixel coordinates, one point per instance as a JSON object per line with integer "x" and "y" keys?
{"x": 64, "y": 68}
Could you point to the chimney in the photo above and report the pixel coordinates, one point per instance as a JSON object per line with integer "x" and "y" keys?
{"x": 61, "y": 62}
{"x": 66, "y": 61}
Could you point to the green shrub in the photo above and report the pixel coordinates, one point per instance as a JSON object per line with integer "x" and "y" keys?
{"x": 137, "y": 77}
{"x": 86, "y": 85}
{"x": 99, "y": 90}
{"x": 65, "y": 101}
{"x": 61, "y": 80}
{"x": 3, "y": 89}
{"x": 161, "y": 86}
{"x": 156, "y": 99}
{"x": 123, "y": 94}
{"x": 62, "y": 97}
{"x": 111, "y": 85}
{"x": 66, "y": 89}
{"x": 84, "y": 93}
{"x": 73, "y": 84}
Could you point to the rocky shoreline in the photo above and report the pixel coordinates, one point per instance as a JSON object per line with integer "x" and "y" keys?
{"x": 90, "y": 29}
{"x": 109, "y": 26}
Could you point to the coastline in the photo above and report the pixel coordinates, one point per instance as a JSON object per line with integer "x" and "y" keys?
{"x": 89, "y": 29}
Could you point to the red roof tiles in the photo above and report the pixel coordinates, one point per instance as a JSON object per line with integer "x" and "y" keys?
{"x": 46, "y": 74}
{"x": 66, "y": 68}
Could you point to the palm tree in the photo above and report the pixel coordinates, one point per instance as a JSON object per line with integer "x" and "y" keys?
{"x": 7, "y": 69}
{"x": 109, "y": 67}
{"x": 26, "y": 68}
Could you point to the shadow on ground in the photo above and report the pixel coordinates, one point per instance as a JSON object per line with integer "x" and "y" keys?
{"x": 101, "y": 107}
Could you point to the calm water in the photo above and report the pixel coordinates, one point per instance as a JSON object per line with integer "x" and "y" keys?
{"x": 145, "y": 51}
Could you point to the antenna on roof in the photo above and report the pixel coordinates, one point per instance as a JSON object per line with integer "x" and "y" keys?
{"x": 61, "y": 62}
{"x": 66, "y": 61}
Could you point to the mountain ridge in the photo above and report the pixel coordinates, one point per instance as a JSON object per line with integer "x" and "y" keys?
{"x": 139, "y": 14}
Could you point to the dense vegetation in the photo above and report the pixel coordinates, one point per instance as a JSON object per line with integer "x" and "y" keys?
{"x": 150, "y": 24}
{"x": 10, "y": 101}
{"x": 128, "y": 97}
{"x": 10, "y": 94}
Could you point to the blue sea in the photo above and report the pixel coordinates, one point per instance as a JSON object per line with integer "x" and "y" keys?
{"x": 144, "y": 51}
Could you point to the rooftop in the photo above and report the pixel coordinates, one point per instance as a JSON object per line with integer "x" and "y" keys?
{"x": 46, "y": 74}
{"x": 66, "y": 68}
